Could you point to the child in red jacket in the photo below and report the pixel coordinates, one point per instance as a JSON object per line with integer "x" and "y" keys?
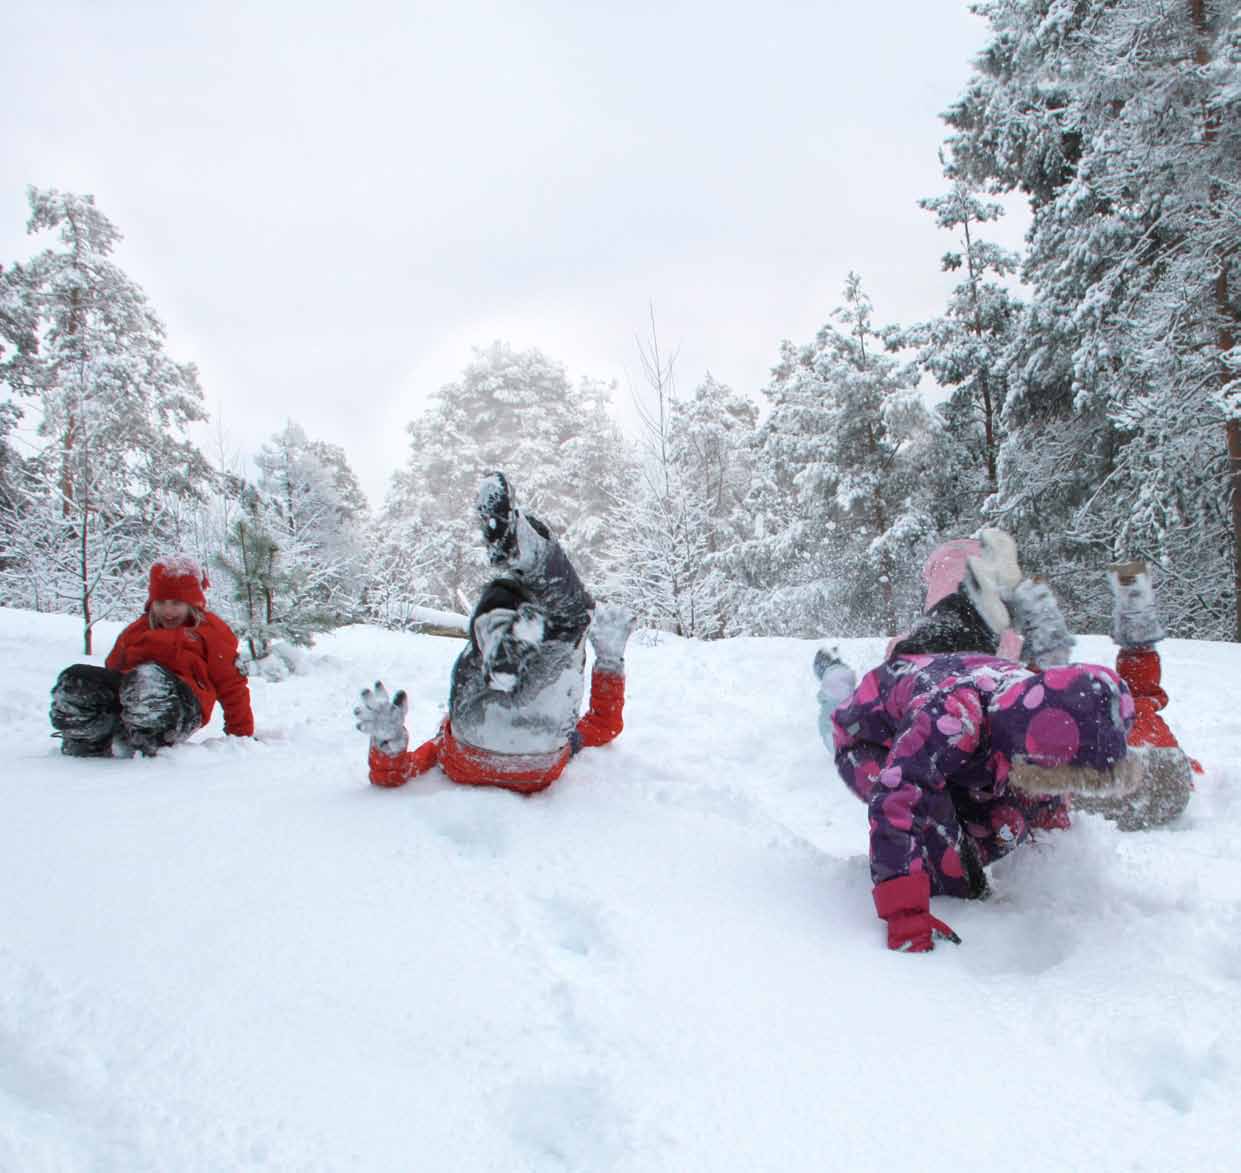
{"x": 161, "y": 680}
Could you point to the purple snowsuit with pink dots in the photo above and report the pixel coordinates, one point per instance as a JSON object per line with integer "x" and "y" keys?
{"x": 927, "y": 742}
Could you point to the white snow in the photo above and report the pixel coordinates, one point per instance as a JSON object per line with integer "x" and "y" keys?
{"x": 240, "y": 956}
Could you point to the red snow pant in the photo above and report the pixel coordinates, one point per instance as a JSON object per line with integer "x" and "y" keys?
{"x": 524, "y": 773}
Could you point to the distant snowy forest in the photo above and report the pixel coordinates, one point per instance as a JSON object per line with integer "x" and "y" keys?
{"x": 1090, "y": 400}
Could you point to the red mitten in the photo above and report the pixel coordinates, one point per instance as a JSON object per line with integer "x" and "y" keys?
{"x": 905, "y": 903}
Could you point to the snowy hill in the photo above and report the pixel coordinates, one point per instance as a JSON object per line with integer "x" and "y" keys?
{"x": 240, "y": 956}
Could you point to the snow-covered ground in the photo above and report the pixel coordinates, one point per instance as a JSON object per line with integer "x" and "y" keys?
{"x": 240, "y": 956}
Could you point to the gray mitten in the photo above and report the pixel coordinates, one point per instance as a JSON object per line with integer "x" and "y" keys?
{"x": 836, "y": 679}
{"x": 609, "y": 633}
{"x": 1040, "y": 623}
{"x": 383, "y": 719}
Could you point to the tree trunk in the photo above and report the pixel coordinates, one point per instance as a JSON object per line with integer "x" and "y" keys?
{"x": 1234, "y": 468}
{"x": 1225, "y": 337}
{"x": 88, "y": 625}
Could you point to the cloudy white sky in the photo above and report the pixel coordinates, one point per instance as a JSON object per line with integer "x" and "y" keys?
{"x": 330, "y": 204}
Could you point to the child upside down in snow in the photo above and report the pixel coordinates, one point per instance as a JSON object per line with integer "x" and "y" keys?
{"x": 161, "y": 680}
{"x": 958, "y": 753}
{"x": 517, "y": 687}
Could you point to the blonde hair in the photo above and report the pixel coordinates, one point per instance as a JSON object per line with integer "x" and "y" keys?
{"x": 193, "y": 619}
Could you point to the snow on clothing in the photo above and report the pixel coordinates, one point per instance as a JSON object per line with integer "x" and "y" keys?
{"x": 202, "y": 655}
{"x": 160, "y": 683}
{"x": 1167, "y": 771}
{"x": 517, "y": 686}
{"x": 525, "y": 773}
{"x": 144, "y": 710}
{"x": 177, "y": 578}
{"x": 929, "y": 743}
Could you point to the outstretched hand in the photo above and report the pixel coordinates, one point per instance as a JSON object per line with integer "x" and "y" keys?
{"x": 382, "y": 718}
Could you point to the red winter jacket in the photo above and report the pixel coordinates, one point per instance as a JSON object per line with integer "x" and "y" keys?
{"x": 524, "y": 773}
{"x": 203, "y": 655}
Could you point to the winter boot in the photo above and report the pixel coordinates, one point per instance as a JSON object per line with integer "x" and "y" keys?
{"x": 609, "y": 632}
{"x": 157, "y": 709}
{"x": 990, "y": 577}
{"x": 513, "y": 537}
{"x": 497, "y": 515}
{"x": 1135, "y": 619}
{"x": 1046, "y": 640}
{"x": 837, "y": 682}
{"x": 86, "y": 710}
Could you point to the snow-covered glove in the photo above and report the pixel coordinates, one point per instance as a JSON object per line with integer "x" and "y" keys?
{"x": 609, "y": 632}
{"x": 1135, "y": 620}
{"x": 836, "y": 679}
{"x": 382, "y": 718}
{"x": 905, "y": 903}
{"x": 1046, "y": 638}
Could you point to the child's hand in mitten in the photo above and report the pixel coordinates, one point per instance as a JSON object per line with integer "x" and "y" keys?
{"x": 383, "y": 719}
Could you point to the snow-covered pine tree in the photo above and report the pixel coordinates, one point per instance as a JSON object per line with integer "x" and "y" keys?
{"x": 511, "y": 410}
{"x": 19, "y": 348}
{"x": 247, "y": 558}
{"x": 1122, "y": 122}
{"x": 840, "y": 528}
{"x": 111, "y": 452}
{"x": 673, "y": 527}
{"x": 712, "y": 447}
{"x": 316, "y": 514}
{"x": 963, "y": 349}
{"x": 292, "y": 546}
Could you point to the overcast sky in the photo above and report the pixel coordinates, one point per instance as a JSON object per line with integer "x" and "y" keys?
{"x": 330, "y": 204}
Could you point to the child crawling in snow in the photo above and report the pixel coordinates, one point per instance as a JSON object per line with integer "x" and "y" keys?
{"x": 517, "y": 686}
{"x": 162, "y": 679}
{"x": 958, "y": 752}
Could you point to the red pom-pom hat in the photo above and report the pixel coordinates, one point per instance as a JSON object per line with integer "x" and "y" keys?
{"x": 180, "y": 579}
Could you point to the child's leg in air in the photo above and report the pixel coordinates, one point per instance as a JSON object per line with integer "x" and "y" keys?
{"x": 538, "y": 598}
{"x": 1167, "y": 771}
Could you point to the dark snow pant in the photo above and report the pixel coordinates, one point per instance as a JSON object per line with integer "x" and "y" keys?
{"x": 145, "y": 709}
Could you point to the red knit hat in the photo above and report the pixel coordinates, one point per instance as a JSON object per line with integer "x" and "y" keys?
{"x": 178, "y": 578}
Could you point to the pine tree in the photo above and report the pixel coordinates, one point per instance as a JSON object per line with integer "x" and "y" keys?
{"x": 513, "y": 411}
{"x": 96, "y": 496}
{"x": 670, "y": 532}
{"x": 316, "y": 514}
{"x": 840, "y": 526}
{"x": 964, "y": 350}
{"x": 1121, "y": 122}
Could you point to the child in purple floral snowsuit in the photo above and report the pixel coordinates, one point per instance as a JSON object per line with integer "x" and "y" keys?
{"x": 957, "y": 752}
